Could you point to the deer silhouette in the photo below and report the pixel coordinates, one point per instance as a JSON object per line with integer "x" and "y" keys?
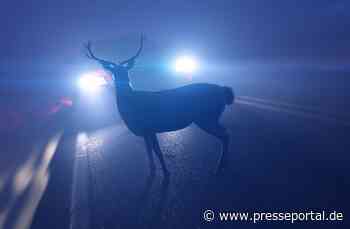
{"x": 148, "y": 113}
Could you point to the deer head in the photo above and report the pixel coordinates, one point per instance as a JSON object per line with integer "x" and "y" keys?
{"x": 120, "y": 70}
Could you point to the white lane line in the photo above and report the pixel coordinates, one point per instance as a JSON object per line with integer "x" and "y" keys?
{"x": 80, "y": 212}
{"x": 309, "y": 109}
{"x": 84, "y": 174}
{"x": 295, "y": 112}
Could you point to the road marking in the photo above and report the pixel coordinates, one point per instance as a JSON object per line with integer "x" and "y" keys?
{"x": 301, "y": 111}
{"x": 83, "y": 174}
{"x": 80, "y": 212}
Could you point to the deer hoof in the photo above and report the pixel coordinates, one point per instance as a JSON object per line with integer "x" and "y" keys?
{"x": 152, "y": 168}
{"x": 221, "y": 168}
{"x": 166, "y": 173}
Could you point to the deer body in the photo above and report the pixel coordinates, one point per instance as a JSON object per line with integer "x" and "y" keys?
{"x": 148, "y": 113}
{"x": 169, "y": 110}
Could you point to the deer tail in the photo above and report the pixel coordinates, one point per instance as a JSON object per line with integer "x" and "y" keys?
{"x": 229, "y": 95}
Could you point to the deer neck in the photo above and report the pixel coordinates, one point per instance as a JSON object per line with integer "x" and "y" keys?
{"x": 122, "y": 83}
{"x": 124, "y": 92}
{"x": 123, "y": 87}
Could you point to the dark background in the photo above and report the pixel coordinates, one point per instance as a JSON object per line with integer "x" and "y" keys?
{"x": 286, "y": 51}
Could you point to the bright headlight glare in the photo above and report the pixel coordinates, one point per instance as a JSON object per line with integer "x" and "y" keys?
{"x": 185, "y": 64}
{"x": 91, "y": 82}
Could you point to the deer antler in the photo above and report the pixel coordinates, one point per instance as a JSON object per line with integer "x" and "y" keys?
{"x": 137, "y": 53}
{"x": 92, "y": 56}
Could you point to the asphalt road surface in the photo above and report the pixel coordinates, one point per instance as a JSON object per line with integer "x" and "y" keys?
{"x": 281, "y": 159}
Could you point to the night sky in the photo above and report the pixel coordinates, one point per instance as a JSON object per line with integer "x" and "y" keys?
{"x": 42, "y": 37}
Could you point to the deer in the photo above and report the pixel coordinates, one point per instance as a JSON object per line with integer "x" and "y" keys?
{"x": 148, "y": 113}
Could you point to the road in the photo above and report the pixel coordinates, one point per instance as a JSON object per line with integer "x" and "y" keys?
{"x": 281, "y": 160}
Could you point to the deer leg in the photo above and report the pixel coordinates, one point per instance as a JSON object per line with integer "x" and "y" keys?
{"x": 159, "y": 154}
{"x": 149, "y": 147}
{"x": 221, "y": 133}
